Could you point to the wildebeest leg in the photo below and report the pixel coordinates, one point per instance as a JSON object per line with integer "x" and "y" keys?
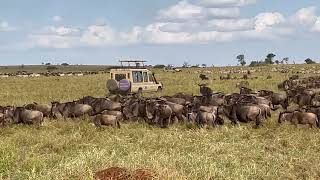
{"x": 295, "y": 123}
{"x": 175, "y": 120}
{"x": 258, "y": 121}
{"x": 161, "y": 123}
{"x": 184, "y": 118}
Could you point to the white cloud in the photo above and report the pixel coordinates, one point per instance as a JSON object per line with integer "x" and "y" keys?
{"x": 52, "y": 41}
{"x": 99, "y": 35}
{"x": 316, "y": 27}
{"x": 185, "y": 23}
{"x": 231, "y": 24}
{"x": 186, "y": 11}
{"x": 57, "y": 18}
{"x": 265, "y": 20}
{"x": 226, "y": 3}
{"x": 55, "y": 37}
{"x": 305, "y": 16}
{"x": 62, "y": 30}
{"x": 222, "y": 12}
{"x": 182, "y": 10}
{"x": 4, "y": 27}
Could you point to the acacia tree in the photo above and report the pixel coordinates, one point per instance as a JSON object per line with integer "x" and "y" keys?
{"x": 241, "y": 59}
{"x": 309, "y": 61}
{"x": 269, "y": 59}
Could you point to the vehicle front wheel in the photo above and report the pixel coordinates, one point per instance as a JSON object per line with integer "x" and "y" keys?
{"x": 159, "y": 90}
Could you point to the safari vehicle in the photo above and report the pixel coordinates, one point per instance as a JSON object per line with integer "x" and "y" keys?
{"x": 132, "y": 78}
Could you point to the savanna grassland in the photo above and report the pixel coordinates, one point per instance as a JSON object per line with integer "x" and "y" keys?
{"x": 75, "y": 149}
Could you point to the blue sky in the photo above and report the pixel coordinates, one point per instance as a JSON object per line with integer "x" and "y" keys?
{"x": 161, "y": 32}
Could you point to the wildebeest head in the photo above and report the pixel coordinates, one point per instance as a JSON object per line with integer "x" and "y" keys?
{"x": 56, "y": 108}
{"x": 245, "y": 90}
{"x": 150, "y": 109}
{"x": 285, "y": 116}
{"x": 264, "y": 93}
{"x": 204, "y": 90}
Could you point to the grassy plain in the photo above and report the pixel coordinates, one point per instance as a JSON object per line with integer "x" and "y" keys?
{"x": 75, "y": 149}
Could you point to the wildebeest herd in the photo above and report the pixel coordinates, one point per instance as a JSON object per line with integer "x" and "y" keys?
{"x": 210, "y": 109}
{"x": 25, "y": 74}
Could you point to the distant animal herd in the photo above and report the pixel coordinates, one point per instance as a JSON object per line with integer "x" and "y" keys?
{"x": 25, "y": 74}
{"x": 210, "y": 109}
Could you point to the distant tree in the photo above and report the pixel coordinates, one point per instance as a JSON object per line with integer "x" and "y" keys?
{"x": 204, "y": 65}
{"x": 185, "y": 64}
{"x": 277, "y": 62}
{"x": 159, "y": 66}
{"x": 22, "y": 66}
{"x": 196, "y": 66}
{"x": 309, "y": 61}
{"x": 241, "y": 59}
{"x": 48, "y": 64}
{"x": 42, "y": 63}
{"x": 269, "y": 59}
{"x": 64, "y": 64}
{"x": 286, "y": 60}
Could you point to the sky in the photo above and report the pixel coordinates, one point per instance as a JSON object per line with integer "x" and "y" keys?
{"x": 211, "y": 32}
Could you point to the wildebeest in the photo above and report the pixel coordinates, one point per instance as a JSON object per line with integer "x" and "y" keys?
{"x": 106, "y": 120}
{"x": 297, "y": 117}
{"x": 177, "y": 111}
{"x": 243, "y": 113}
{"x": 100, "y": 104}
{"x": 204, "y": 90}
{"x": 158, "y": 113}
{"x": 204, "y": 116}
{"x": 275, "y": 98}
{"x": 204, "y": 77}
{"x": 70, "y": 109}
{"x": 134, "y": 108}
{"x": 118, "y": 114}
{"x": 45, "y": 109}
{"x": 25, "y": 116}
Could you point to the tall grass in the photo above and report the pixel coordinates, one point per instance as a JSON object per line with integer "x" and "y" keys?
{"x": 75, "y": 149}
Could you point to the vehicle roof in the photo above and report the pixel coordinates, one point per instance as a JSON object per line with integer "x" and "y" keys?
{"x": 129, "y": 69}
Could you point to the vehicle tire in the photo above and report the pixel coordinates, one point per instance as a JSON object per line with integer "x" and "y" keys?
{"x": 159, "y": 90}
{"x": 112, "y": 85}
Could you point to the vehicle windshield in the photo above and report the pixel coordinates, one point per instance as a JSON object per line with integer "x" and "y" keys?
{"x": 119, "y": 77}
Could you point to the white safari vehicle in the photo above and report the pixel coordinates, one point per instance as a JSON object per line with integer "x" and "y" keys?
{"x": 132, "y": 78}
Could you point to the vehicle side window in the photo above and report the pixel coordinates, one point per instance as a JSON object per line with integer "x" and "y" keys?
{"x": 137, "y": 76}
{"x": 111, "y": 75}
{"x": 151, "y": 78}
{"x": 128, "y": 76}
{"x": 145, "y": 76}
{"x": 119, "y": 77}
